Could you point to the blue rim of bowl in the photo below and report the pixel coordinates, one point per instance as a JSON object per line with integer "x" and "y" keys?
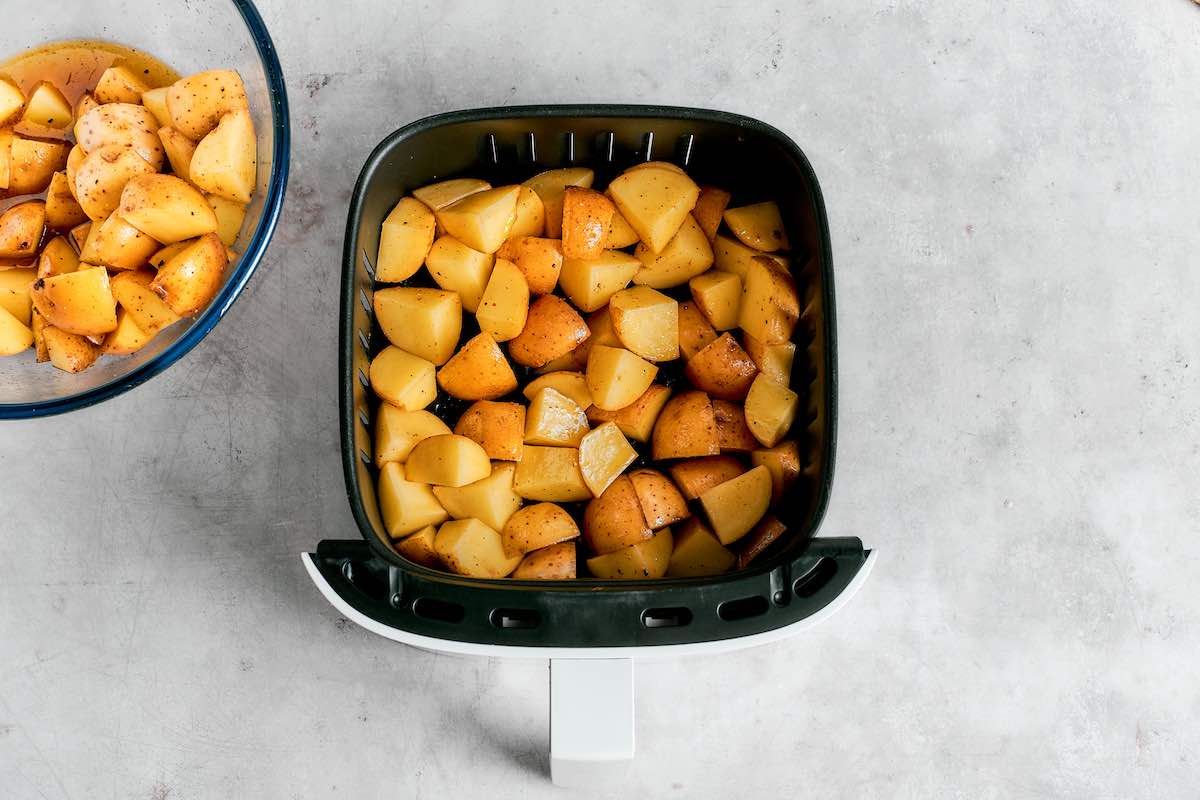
{"x": 247, "y": 264}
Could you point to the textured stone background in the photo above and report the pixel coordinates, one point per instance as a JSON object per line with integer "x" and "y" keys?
{"x": 1012, "y": 189}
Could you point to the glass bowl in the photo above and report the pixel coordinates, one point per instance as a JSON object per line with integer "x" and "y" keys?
{"x": 188, "y": 37}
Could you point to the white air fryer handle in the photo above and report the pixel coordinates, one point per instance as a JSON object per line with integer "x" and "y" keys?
{"x": 591, "y": 719}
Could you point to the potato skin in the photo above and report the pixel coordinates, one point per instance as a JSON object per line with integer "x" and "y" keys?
{"x": 553, "y": 563}
{"x": 537, "y": 526}
{"x": 759, "y": 539}
{"x": 661, "y": 502}
{"x": 587, "y": 215}
{"x": 686, "y": 427}
{"x": 722, "y": 369}
{"x": 695, "y": 476}
{"x": 499, "y": 428}
{"x": 732, "y": 431}
{"x": 552, "y": 329}
{"x": 479, "y": 371}
{"x": 614, "y": 520}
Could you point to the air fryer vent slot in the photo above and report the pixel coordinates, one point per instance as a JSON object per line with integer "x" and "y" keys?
{"x": 743, "y": 608}
{"x": 666, "y": 617}
{"x": 815, "y": 579}
{"x": 516, "y": 618}
{"x": 438, "y": 610}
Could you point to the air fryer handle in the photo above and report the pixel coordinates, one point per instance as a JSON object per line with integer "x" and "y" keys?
{"x": 591, "y": 719}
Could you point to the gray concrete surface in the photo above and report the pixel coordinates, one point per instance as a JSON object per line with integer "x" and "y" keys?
{"x": 1012, "y": 189}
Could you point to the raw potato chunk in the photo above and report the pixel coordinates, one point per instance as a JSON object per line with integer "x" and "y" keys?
{"x": 12, "y": 99}
{"x": 698, "y": 553}
{"x": 572, "y": 384}
{"x": 119, "y": 85}
{"x": 617, "y": 377}
{"x": 407, "y": 506}
{"x": 418, "y": 547}
{"x": 74, "y": 158}
{"x": 490, "y": 500}
{"x": 123, "y": 125}
{"x": 21, "y": 229}
{"x": 479, "y": 371}
{"x": 710, "y": 205}
{"x": 47, "y": 108}
{"x": 155, "y": 101}
{"x": 80, "y": 233}
{"x": 78, "y": 302}
{"x": 550, "y": 186}
{"x": 686, "y": 427}
{"x": 551, "y": 474}
{"x": 126, "y": 339}
{"x": 648, "y": 559}
{"x": 118, "y": 245}
{"x": 759, "y": 226}
{"x": 730, "y": 255}
{"x": 646, "y": 322}
{"x": 397, "y": 432}
{"x": 192, "y": 278}
{"x": 657, "y": 165}
{"x": 620, "y": 232}
{"x": 540, "y": 261}
{"x": 504, "y": 306}
{"x": 132, "y": 292}
{"x": 179, "y": 150}
{"x": 770, "y": 410}
{"x": 161, "y": 257}
{"x": 86, "y": 102}
{"x": 553, "y": 563}
{"x": 614, "y": 519}
{"x": 587, "y": 215}
{"x": 590, "y": 283}
{"x": 6, "y": 138}
{"x": 15, "y": 283}
{"x": 439, "y": 195}
{"x": 57, "y": 258}
{"x": 447, "y": 460}
{"x": 655, "y": 202}
{"x": 783, "y": 461}
{"x": 537, "y": 526}
{"x": 102, "y": 176}
{"x": 425, "y": 322}
{"x": 687, "y": 255}
{"x": 773, "y": 360}
{"x": 402, "y": 379}
{"x": 62, "y": 210}
{"x": 33, "y": 163}
{"x": 719, "y": 296}
{"x": 457, "y": 268}
{"x": 554, "y": 420}
{"x": 603, "y": 455}
{"x": 230, "y": 216}
{"x": 736, "y": 506}
{"x": 661, "y": 502}
{"x": 552, "y": 329}
{"x": 770, "y": 305}
{"x": 404, "y": 241}
{"x": 600, "y": 324}
{"x": 695, "y": 476}
{"x": 732, "y": 432}
{"x": 471, "y": 548}
{"x": 722, "y": 369}
{"x": 15, "y": 336}
{"x": 226, "y": 160}
{"x": 637, "y": 419}
{"x": 167, "y": 208}
{"x": 482, "y": 220}
{"x": 499, "y": 428}
{"x": 198, "y": 102}
{"x": 764, "y": 534}
{"x": 69, "y": 352}
{"x": 695, "y": 331}
{"x": 531, "y": 215}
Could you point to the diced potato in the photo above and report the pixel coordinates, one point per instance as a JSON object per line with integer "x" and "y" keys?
{"x": 191, "y": 279}
{"x": 553, "y": 563}
{"x": 115, "y": 243}
{"x": 481, "y": 220}
{"x": 504, "y": 307}
{"x": 590, "y": 283}
{"x": 425, "y": 322}
{"x": 69, "y": 352}
{"x": 555, "y": 420}
{"x": 687, "y": 255}
{"x": 119, "y": 85}
{"x": 540, "y": 261}
{"x": 552, "y": 329}
{"x": 404, "y": 241}
{"x": 536, "y": 526}
{"x": 587, "y": 215}
{"x": 57, "y": 258}
{"x": 655, "y": 202}
{"x": 402, "y": 379}
{"x": 479, "y": 371}
{"x": 695, "y": 331}
{"x": 78, "y": 302}
{"x": 490, "y": 500}
{"x": 179, "y": 151}
{"x": 736, "y": 506}
{"x": 47, "y": 107}
{"x": 418, "y": 547}
{"x": 710, "y": 205}
{"x": 226, "y": 160}
{"x": 21, "y": 229}
{"x": 86, "y": 102}
{"x": 155, "y": 101}
{"x": 397, "y": 432}
{"x": 447, "y": 460}
{"x": 603, "y": 455}
{"x": 695, "y": 476}
{"x": 763, "y": 536}
{"x": 551, "y": 474}
{"x": 614, "y": 519}
{"x": 167, "y": 208}
{"x": 126, "y": 339}
{"x": 770, "y": 410}
{"x": 457, "y": 268}
{"x": 161, "y": 257}
{"x": 15, "y": 336}
{"x": 102, "y": 176}
{"x": 550, "y": 186}
{"x": 470, "y": 547}
{"x": 62, "y": 210}
{"x": 661, "y": 502}
{"x": 646, "y": 322}
{"x": 566, "y": 362}
{"x": 79, "y": 234}
{"x": 719, "y": 296}
{"x": 686, "y": 427}
{"x": 12, "y": 99}
{"x": 132, "y": 292}
{"x": 698, "y": 552}
{"x": 123, "y": 125}
{"x": 759, "y": 226}
{"x": 230, "y": 216}
{"x": 499, "y": 428}
{"x": 74, "y": 158}
{"x": 199, "y": 102}
{"x": 773, "y": 360}
{"x": 620, "y": 232}
{"x": 531, "y": 215}
{"x": 6, "y": 138}
{"x": 407, "y": 505}
{"x": 732, "y": 432}
{"x": 602, "y": 332}
{"x": 33, "y": 162}
{"x": 770, "y": 306}
{"x": 637, "y": 419}
{"x": 730, "y": 255}
{"x": 572, "y": 384}
{"x": 647, "y": 559}
{"x": 783, "y": 461}
{"x": 15, "y": 283}
{"x": 722, "y": 369}
{"x": 617, "y": 377}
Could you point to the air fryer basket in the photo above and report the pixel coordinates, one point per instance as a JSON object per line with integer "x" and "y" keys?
{"x": 796, "y": 578}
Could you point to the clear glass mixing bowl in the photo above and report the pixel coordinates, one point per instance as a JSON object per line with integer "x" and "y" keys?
{"x": 188, "y": 37}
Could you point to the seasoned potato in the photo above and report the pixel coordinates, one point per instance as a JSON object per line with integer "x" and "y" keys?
{"x": 199, "y": 102}
{"x": 783, "y": 461}
{"x": 695, "y": 331}
{"x": 6, "y": 137}
{"x": 571, "y": 384}
{"x": 603, "y": 455}
{"x": 499, "y": 428}
{"x": 730, "y": 255}
{"x": 646, "y": 559}
{"x": 551, "y": 474}
{"x": 80, "y": 233}
{"x": 646, "y": 322}
{"x": 481, "y": 220}
{"x": 550, "y": 187}
{"x": 736, "y": 506}
{"x": 12, "y": 99}
{"x": 57, "y": 258}
{"x": 15, "y": 336}
{"x": 553, "y": 419}
{"x": 418, "y": 547}
{"x": 531, "y": 215}
{"x": 397, "y": 432}
{"x": 87, "y": 101}
{"x": 46, "y": 107}
{"x": 718, "y": 295}
{"x": 540, "y": 261}
{"x": 773, "y": 360}
{"x": 119, "y": 85}
{"x": 770, "y": 410}
{"x": 439, "y": 195}
{"x": 686, "y": 427}
{"x": 590, "y": 283}
{"x": 116, "y": 244}
{"x": 132, "y": 292}
{"x": 770, "y": 306}
{"x": 490, "y": 500}
{"x": 167, "y": 208}
{"x": 155, "y": 101}
{"x": 15, "y": 283}
{"x": 69, "y": 352}
{"x": 33, "y": 162}
{"x": 587, "y": 215}
{"x": 614, "y": 519}
{"x": 75, "y": 157}
{"x": 710, "y": 205}
{"x": 687, "y": 255}
{"x": 404, "y": 241}
{"x": 126, "y": 338}
{"x": 552, "y": 329}
{"x": 21, "y": 229}
{"x": 637, "y": 419}
{"x": 230, "y": 216}
{"x": 504, "y": 307}
{"x": 123, "y": 125}
{"x": 448, "y": 460}
{"x": 661, "y": 502}
{"x": 79, "y": 302}
{"x": 161, "y": 257}
{"x": 62, "y": 210}
{"x": 759, "y": 226}
{"x": 102, "y": 176}
{"x": 761, "y": 537}
{"x": 537, "y": 526}
{"x": 620, "y": 232}
{"x": 697, "y": 552}
{"x": 601, "y": 327}
{"x": 457, "y": 268}
{"x": 425, "y": 322}
{"x": 179, "y": 150}
{"x": 695, "y": 476}
{"x": 402, "y": 379}
{"x": 191, "y": 279}
{"x": 469, "y": 547}
{"x": 226, "y": 161}
{"x": 553, "y": 563}
{"x": 655, "y": 202}
{"x": 479, "y": 371}
{"x": 733, "y": 435}
{"x": 617, "y": 377}
{"x": 722, "y": 369}
{"x": 407, "y": 506}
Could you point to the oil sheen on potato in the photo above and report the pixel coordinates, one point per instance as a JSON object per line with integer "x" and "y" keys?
{"x": 75, "y": 66}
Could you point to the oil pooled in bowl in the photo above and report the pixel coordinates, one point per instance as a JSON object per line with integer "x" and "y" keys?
{"x": 75, "y": 66}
